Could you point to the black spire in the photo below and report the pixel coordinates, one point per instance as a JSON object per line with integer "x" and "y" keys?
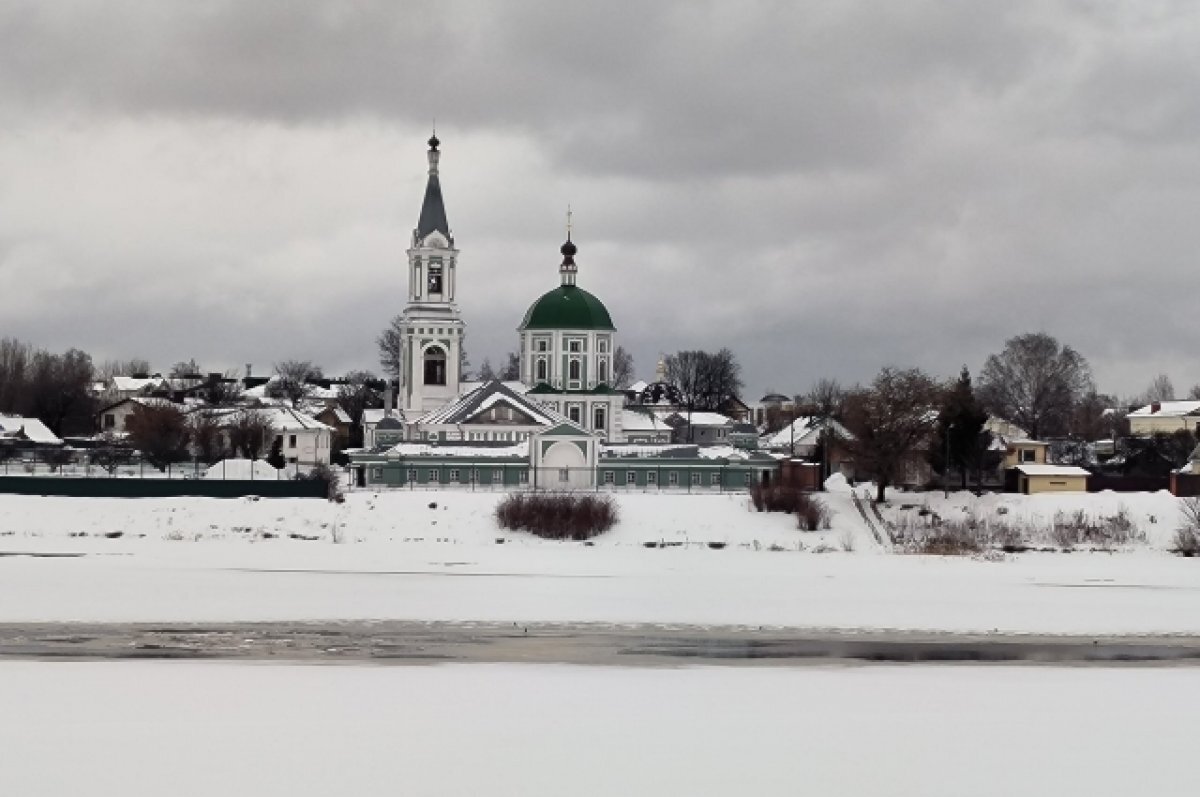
{"x": 433, "y": 210}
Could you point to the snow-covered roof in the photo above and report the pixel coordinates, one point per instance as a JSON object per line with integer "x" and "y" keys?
{"x": 132, "y": 384}
{"x": 679, "y": 451}
{"x": 516, "y": 450}
{"x": 634, "y": 421}
{"x": 1031, "y": 469}
{"x": 516, "y": 386}
{"x": 1167, "y": 409}
{"x": 144, "y": 401}
{"x": 638, "y": 386}
{"x": 804, "y": 431}
{"x": 486, "y": 396}
{"x": 700, "y": 418}
{"x": 286, "y": 419}
{"x": 30, "y": 429}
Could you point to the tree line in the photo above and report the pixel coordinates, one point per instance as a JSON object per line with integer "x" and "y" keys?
{"x": 905, "y": 417}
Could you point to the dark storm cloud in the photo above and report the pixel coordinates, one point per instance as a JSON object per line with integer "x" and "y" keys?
{"x": 823, "y": 187}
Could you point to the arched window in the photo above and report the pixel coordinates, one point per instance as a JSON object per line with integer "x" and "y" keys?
{"x": 541, "y": 369}
{"x": 573, "y": 371}
{"x": 435, "y": 366}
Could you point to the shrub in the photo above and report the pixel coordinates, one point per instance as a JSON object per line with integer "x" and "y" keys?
{"x": 557, "y": 516}
{"x": 1187, "y": 536}
{"x": 777, "y": 498}
{"x": 812, "y": 514}
{"x": 328, "y": 476}
{"x": 1187, "y": 542}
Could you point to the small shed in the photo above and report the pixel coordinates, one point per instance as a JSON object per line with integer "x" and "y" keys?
{"x": 1032, "y": 479}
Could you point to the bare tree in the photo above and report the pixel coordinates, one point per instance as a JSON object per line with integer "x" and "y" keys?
{"x": 622, "y": 368}
{"x": 891, "y": 422}
{"x": 486, "y": 372}
{"x": 160, "y": 432}
{"x": 388, "y": 342}
{"x": 250, "y": 433}
{"x": 355, "y": 396}
{"x": 1035, "y": 383}
{"x": 185, "y": 368}
{"x": 1096, "y": 416}
{"x": 683, "y": 371}
{"x": 825, "y": 399}
{"x": 512, "y": 367}
{"x": 1194, "y": 392}
{"x": 292, "y": 380}
{"x": 1160, "y": 389}
{"x": 15, "y": 356}
{"x": 136, "y": 366}
{"x": 206, "y": 435}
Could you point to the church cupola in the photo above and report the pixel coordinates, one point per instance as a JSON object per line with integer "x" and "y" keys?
{"x": 568, "y": 269}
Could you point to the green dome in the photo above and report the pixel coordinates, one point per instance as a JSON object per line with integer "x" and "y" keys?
{"x": 567, "y": 307}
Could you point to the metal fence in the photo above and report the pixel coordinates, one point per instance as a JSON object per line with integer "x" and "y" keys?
{"x": 106, "y": 464}
{"x": 676, "y": 478}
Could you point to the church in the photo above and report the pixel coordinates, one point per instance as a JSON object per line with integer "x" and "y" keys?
{"x": 560, "y": 425}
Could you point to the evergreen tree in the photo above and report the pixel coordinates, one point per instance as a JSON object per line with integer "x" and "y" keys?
{"x": 275, "y": 457}
{"x": 962, "y": 418}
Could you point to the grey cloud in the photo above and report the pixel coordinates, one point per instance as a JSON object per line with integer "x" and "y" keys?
{"x": 823, "y": 187}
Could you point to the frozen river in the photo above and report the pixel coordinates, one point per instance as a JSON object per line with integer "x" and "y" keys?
{"x": 202, "y": 728}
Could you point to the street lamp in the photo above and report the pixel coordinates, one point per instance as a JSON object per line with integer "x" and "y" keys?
{"x": 946, "y": 464}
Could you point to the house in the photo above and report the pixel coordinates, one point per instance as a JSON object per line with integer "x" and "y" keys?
{"x": 339, "y": 421}
{"x": 1164, "y": 417}
{"x": 643, "y": 426}
{"x": 1185, "y": 482}
{"x": 772, "y": 409}
{"x": 114, "y": 418}
{"x": 119, "y": 387}
{"x": 1024, "y": 451}
{"x": 1032, "y": 478}
{"x": 802, "y": 438}
{"x": 744, "y": 435}
{"x": 17, "y": 432}
{"x": 302, "y": 438}
{"x": 702, "y": 428}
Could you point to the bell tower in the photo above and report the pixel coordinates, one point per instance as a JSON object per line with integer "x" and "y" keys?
{"x": 431, "y": 335}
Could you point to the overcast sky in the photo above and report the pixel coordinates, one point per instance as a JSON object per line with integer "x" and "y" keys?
{"x": 823, "y": 187}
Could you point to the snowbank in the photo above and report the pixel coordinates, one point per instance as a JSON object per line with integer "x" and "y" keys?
{"x": 243, "y": 469}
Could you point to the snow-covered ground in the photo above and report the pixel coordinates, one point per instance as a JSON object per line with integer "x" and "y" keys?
{"x": 437, "y": 556}
{"x": 217, "y": 728}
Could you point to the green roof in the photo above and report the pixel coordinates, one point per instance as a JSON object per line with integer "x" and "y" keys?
{"x": 543, "y": 389}
{"x": 567, "y": 307}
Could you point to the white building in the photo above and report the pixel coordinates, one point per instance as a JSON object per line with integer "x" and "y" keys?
{"x": 432, "y": 329}
{"x": 566, "y": 347}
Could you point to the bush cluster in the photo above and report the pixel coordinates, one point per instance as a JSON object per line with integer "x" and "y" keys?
{"x": 557, "y": 516}
{"x": 810, "y": 511}
{"x": 973, "y": 534}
